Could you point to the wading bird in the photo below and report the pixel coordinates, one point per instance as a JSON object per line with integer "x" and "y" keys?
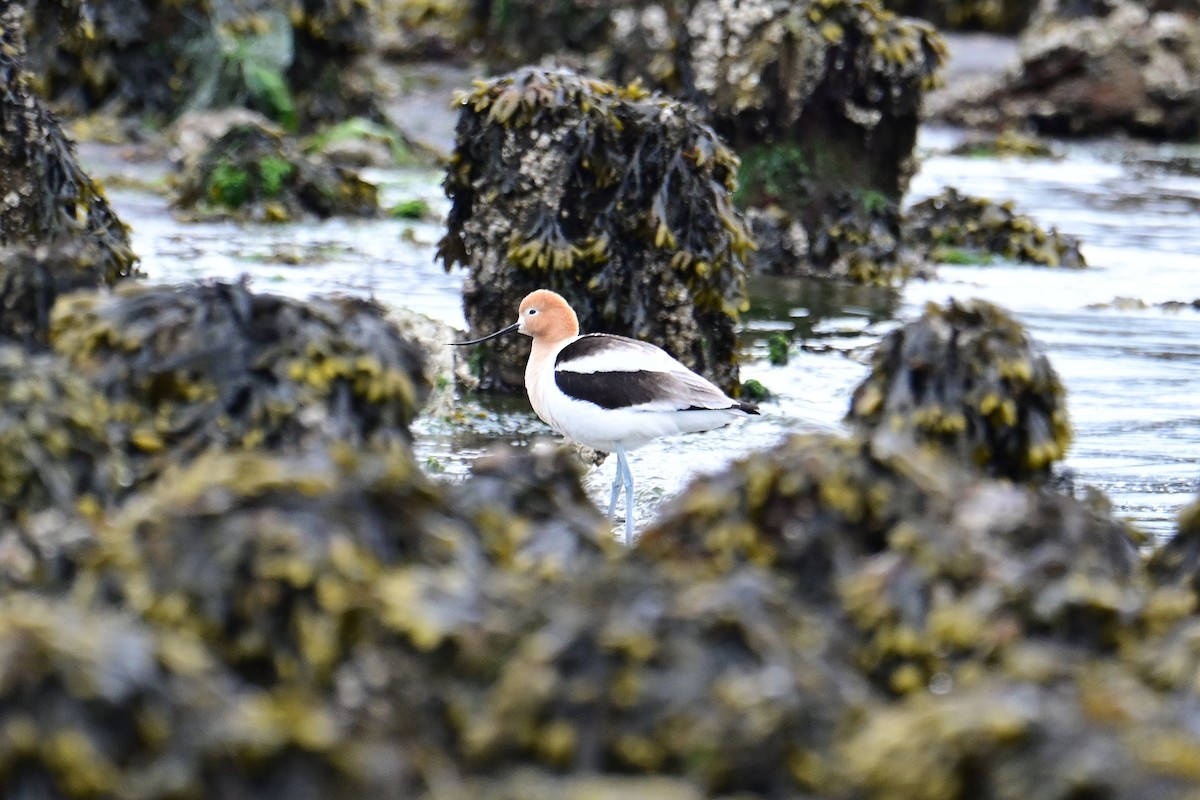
{"x": 609, "y": 392}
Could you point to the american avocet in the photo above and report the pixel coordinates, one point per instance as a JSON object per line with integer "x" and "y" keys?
{"x": 609, "y": 392}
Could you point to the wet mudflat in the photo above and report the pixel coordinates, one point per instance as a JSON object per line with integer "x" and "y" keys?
{"x": 1129, "y": 362}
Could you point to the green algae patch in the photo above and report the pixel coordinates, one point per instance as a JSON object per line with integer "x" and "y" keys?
{"x": 256, "y": 174}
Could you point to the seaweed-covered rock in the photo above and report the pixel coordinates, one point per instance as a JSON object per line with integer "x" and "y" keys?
{"x": 60, "y": 466}
{"x": 271, "y": 560}
{"x": 937, "y": 570}
{"x": 1097, "y": 68}
{"x": 99, "y": 705}
{"x": 956, "y": 228}
{"x": 214, "y": 364}
{"x": 862, "y": 245}
{"x": 45, "y": 198}
{"x": 285, "y": 564}
{"x": 1177, "y": 562}
{"x": 1007, "y": 142}
{"x": 616, "y": 199}
{"x": 1008, "y": 17}
{"x": 822, "y": 101}
{"x": 259, "y": 174}
{"x": 300, "y": 62}
{"x": 968, "y": 380}
{"x": 531, "y": 512}
{"x": 528, "y": 784}
{"x": 629, "y": 669}
{"x": 1095, "y": 732}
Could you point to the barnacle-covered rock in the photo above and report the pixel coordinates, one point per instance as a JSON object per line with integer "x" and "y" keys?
{"x": 617, "y": 199}
{"x": 1095, "y": 732}
{"x": 60, "y": 467}
{"x": 214, "y": 364}
{"x": 956, "y": 228}
{"x": 1097, "y": 68}
{"x": 854, "y": 236}
{"x": 967, "y": 379}
{"x": 257, "y": 174}
{"x": 45, "y": 198}
{"x": 1007, "y": 17}
{"x": 300, "y": 62}
{"x": 820, "y": 98}
{"x": 822, "y": 101}
{"x": 938, "y": 570}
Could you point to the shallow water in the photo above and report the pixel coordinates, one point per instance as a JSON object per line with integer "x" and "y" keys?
{"x": 1130, "y": 371}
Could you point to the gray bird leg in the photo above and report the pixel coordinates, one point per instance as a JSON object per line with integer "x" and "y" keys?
{"x": 623, "y": 466}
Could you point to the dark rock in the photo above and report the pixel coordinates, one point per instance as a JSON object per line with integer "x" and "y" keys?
{"x": 1095, "y": 69}
{"x": 616, "y": 199}
{"x": 966, "y": 379}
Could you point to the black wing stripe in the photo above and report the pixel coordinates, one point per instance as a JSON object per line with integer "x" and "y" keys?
{"x": 612, "y": 389}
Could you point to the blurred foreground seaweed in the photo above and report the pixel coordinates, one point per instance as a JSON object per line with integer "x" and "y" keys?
{"x": 61, "y": 467}
{"x": 189, "y": 367}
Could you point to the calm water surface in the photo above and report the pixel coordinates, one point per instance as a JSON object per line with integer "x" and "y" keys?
{"x": 1131, "y": 368}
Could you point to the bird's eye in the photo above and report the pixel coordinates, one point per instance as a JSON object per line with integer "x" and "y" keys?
{"x": 531, "y": 311}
